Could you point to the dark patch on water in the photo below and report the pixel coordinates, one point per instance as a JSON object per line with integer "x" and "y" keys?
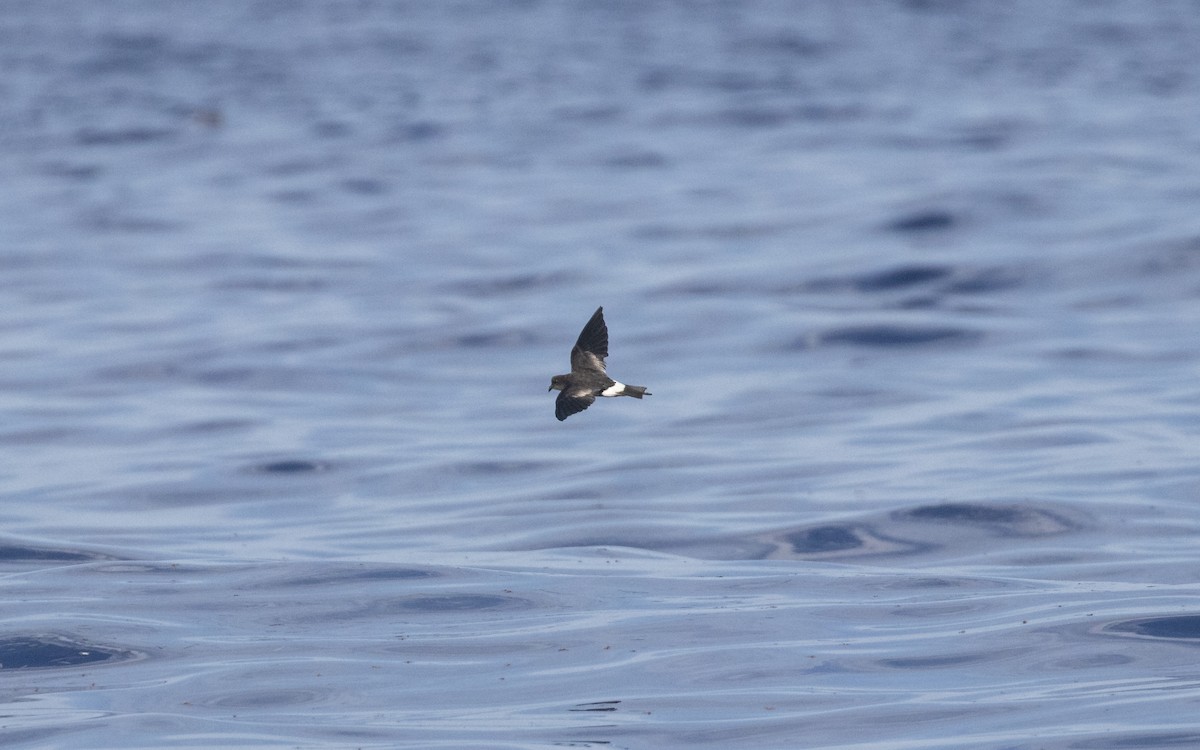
{"x": 352, "y": 576}
{"x": 932, "y": 662}
{"x": 1176, "y": 627}
{"x": 47, "y": 652}
{"x": 294, "y": 197}
{"x": 224, "y": 261}
{"x": 859, "y": 540}
{"x": 77, "y": 172}
{"x": 247, "y": 699}
{"x": 214, "y": 426}
{"x": 107, "y": 220}
{"x": 964, "y": 513}
{"x": 301, "y": 344}
{"x": 823, "y": 539}
{"x": 830, "y": 111}
{"x": 637, "y": 160}
{"x": 739, "y": 230}
{"x": 755, "y": 117}
{"x": 493, "y": 468}
{"x": 938, "y": 583}
{"x": 416, "y": 132}
{"x": 939, "y": 6}
{"x": 923, "y": 221}
{"x": 292, "y": 167}
{"x": 234, "y": 375}
{"x": 122, "y": 136}
{"x": 706, "y": 288}
{"x": 588, "y": 113}
{"x": 1094, "y": 661}
{"x": 985, "y": 280}
{"x": 290, "y": 466}
{"x": 34, "y": 436}
{"x": 935, "y": 281}
{"x": 286, "y": 284}
{"x": 363, "y": 186}
{"x": 787, "y": 42}
{"x": 1012, "y": 520}
{"x": 22, "y": 553}
{"x": 599, "y": 706}
{"x": 986, "y": 137}
{"x": 438, "y": 603}
{"x": 497, "y": 339}
{"x": 494, "y": 286}
{"x": 139, "y": 371}
{"x": 902, "y": 277}
{"x": 674, "y": 77}
{"x": 830, "y": 541}
{"x": 727, "y": 232}
{"x": 332, "y": 129}
{"x": 888, "y": 335}
{"x": 1118, "y": 356}
{"x": 134, "y": 567}
{"x": 926, "y": 302}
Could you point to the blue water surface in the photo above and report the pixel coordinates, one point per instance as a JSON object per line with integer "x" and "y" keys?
{"x": 915, "y": 285}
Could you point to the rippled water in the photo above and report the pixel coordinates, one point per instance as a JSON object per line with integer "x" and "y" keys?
{"x": 916, "y": 287}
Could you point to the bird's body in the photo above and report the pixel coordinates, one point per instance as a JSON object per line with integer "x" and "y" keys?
{"x": 588, "y": 377}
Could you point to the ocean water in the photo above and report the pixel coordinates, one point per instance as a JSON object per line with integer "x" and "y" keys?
{"x": 915, "y": 285}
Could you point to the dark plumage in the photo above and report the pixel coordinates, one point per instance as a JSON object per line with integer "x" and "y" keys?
{"x": 587, "y": 378}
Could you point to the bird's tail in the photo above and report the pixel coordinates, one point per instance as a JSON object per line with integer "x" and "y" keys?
{"x": 637, "y": 391}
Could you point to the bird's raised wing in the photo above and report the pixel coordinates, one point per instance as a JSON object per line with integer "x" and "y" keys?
{"x": 591, "y": 349}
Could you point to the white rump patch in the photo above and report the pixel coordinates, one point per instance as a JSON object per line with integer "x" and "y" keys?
{"x": 616, "y": 389}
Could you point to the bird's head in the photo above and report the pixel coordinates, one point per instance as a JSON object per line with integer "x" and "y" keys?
{"x": 557, "y": 383}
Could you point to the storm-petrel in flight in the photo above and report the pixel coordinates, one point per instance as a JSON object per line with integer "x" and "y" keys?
{"x": 587, "y": 378}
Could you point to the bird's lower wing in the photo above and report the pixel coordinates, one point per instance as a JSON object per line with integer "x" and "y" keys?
{"x": 569, "y": 403}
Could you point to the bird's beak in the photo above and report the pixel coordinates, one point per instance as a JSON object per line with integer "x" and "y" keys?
{"x": 550, "y": 389}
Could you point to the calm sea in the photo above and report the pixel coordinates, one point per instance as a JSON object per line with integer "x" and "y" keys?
{"x": 915, "y": 285}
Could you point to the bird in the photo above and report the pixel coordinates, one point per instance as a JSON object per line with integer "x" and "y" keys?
{"x": 588, "y": 378}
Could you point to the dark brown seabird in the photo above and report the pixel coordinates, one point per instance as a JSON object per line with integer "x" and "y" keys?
{"x": 587, "y": 378}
